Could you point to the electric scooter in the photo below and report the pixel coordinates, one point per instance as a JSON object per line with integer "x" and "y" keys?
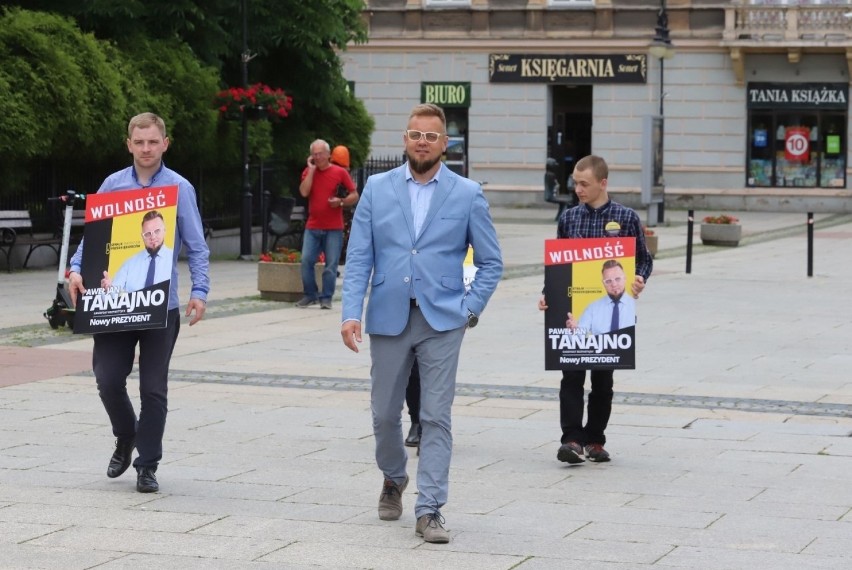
{"x": 61, "y": 311}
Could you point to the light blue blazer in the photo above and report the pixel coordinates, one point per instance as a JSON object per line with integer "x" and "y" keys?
{"x": 384, "y": 254}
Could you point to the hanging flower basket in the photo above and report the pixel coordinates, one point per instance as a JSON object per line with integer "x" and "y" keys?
{"x": 257, "y": 102}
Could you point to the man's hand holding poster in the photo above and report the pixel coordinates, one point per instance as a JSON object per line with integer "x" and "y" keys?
{"x": 127, "y": 260}
{"x": 590, "y": 321}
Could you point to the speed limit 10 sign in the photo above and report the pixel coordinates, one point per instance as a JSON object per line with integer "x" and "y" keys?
{"x": 797, "y": 143}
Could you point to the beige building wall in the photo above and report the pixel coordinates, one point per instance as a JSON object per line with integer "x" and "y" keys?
{"x": 718, "y": 52}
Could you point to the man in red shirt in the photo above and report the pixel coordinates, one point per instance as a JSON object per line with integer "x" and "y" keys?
{"x": 329, "y": 189}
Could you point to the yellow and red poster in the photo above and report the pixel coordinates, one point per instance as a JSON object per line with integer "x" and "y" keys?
{"x": 590, "y": 321}
{"x": 469, "y": 269}
{"x": 128, "y": 257}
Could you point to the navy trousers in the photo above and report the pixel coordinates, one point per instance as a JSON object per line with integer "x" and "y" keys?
{"x": 571, "y": 406}
{"x": 112, "y": 361}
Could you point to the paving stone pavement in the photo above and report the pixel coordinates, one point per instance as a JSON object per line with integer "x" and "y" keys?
{"x": 731, "y": 440}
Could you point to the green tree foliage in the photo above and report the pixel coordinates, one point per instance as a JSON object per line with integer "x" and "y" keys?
{"x": 71, "y": 92}
{"x": 205, "y": 25}
{"x": 179, "y": 88}
{"x": 59, "y": 93}
{"x": 296, "y": 45}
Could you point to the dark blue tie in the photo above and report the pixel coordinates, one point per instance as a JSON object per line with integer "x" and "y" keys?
{"x": 152, "y": 265}
{"x": 613, "y": 326}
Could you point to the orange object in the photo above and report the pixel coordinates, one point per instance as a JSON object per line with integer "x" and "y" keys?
{"x": 340, "y": 156}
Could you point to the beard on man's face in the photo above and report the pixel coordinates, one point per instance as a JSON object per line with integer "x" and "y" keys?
{"x": 422, "y": 166}
{"x": 154, "y": 250}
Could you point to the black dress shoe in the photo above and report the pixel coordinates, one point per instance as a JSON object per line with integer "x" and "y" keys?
{"x": 146, "y": 480}
{"x": 413, "y": 439}
{"x": 121, "y": 457}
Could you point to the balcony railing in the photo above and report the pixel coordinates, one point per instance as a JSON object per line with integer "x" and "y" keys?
{"x": 789, "y": 24}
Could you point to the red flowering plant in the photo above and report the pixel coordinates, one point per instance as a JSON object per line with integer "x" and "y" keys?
{"x": 274, "y": 104}
{"x": 282, "y": 255}
{"x": 647, "y": 231}
{"x": 721, "y": 219}
{"x": 285, "y": 255}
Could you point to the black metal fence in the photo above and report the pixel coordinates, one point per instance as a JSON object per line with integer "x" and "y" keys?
{"x": 220, "y": 209}
{"x": 375, "y": 165}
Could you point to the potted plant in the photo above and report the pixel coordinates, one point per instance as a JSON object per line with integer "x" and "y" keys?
{"x": 722, "y": 230}
{"x": 651, "y": 240}
{"x": 258, "y": 101}
{"x": 279, "y": 274}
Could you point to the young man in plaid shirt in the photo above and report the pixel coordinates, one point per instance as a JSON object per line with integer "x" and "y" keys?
{"x": 595, "y": 217}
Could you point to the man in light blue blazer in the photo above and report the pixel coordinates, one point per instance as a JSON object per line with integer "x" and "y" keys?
{"x": 409, "y": 238}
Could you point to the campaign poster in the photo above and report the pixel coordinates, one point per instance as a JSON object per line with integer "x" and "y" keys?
{"x": 469, "y": 269}
{"x": 590, "y": 321}
{"x": 127, "y": 261}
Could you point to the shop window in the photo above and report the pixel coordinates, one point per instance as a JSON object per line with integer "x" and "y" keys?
{"x": 760, "y": 167}
{"x": 833, "y": 152}
{"x": 794, "y": 142}
{"x": 454, "y": 98}
{"x": 457, "y": 156}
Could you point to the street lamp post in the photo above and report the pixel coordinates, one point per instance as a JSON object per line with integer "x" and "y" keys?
{"x": 246, "y": 202}
{"x": 661, "y": 48}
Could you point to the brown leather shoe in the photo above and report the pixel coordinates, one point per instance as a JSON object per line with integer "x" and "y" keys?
{"x": 390, "y": 501}
{"x": 431, "y": 528}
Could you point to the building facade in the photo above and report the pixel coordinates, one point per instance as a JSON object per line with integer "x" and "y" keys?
{"x": 754, "y": 95}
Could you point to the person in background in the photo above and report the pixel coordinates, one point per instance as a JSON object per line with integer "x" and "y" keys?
{"x": 551, "y": 185}
{"x": 412, "y": 400}
{"x": 596, "y": 216}
{"x": 114, "y": 352}
{"x": 340, "y": 157}
{"x": 324, "y": 228}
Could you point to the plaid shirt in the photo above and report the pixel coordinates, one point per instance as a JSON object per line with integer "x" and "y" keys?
{"x": 585, "y": 222}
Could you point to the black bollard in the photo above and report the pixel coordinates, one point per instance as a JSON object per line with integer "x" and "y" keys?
{"x": 810, "y": 244}
{"x": 690, "y": 221}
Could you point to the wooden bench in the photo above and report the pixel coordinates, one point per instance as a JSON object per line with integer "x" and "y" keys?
{"x": 16, "y": 229}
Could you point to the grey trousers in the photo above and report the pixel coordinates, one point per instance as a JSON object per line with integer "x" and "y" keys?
{"x": 437, "y": 356}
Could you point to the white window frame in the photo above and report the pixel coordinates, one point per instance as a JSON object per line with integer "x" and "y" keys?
{"x": 449, "y": 3}
{"x": 571, "y": 3}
